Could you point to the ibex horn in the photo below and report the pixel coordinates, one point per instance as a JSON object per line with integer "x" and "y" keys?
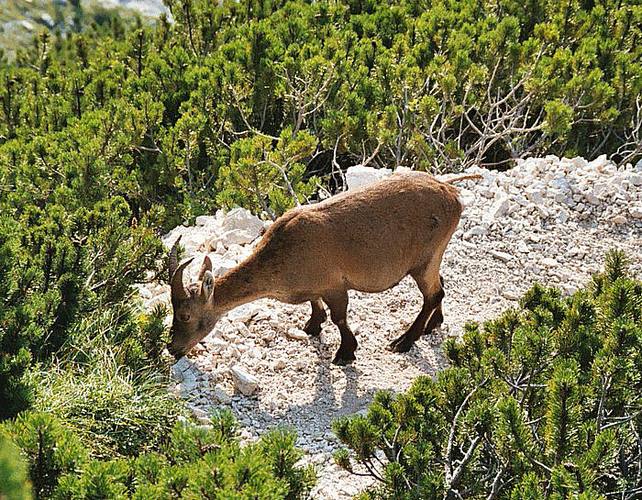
{"x": 178, "y": 290}
{"x": 173, "y": 258}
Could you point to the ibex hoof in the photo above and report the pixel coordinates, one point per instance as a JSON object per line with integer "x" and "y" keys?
{"x": 343, "y": 358}
{"x": 402, "y": 344}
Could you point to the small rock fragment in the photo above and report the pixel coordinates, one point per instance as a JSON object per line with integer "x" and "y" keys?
{"x": 509, "y": 294}
{"x": 503, "y": 256}
{"x": 549, "y": 262}
{"x": 475, "y": 231}
{"x": 296, "y": 334}
{"x": 636, "y": 179}
{"x": 245, "y": 382}
{"x": 221, "y": 395}
{"x": 499, "y": 208}
{"x": 636, "y": 212}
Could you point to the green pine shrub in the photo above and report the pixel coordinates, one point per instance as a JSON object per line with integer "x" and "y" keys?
{"x": 50, "y": 448}
{"x": 268, "y": 179}
{"x": 15, "y": 355}
{"x": 543, "y": 402}
{"x": 194, "y": 462}
{"x": 153, "y": 114}
{"x": 61, "y": 270}
{"x": 13, "y": 473}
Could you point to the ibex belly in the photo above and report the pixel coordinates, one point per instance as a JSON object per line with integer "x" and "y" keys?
{"x": 376, "y": 273}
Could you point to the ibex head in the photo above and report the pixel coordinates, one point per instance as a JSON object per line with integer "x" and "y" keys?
{"x": 194, "y": 314}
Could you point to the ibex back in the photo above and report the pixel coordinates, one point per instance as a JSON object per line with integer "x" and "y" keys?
{"x": 367, "y": 240}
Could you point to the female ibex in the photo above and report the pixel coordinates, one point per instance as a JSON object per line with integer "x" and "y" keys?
{"x": 367, "y": 240}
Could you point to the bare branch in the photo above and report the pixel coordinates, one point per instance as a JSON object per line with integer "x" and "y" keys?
{"x": 453, "y": 475}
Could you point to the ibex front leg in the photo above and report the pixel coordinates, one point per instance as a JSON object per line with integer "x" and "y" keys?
{"x": 338, "y": 304}
{"x": 313, "y": 326}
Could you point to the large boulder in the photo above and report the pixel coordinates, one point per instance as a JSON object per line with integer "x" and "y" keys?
{"x": 192, "y": 238}
{"x": 236, "y": 227}
{"x": 242, "y": 220}
{"x": 359, "y": 175}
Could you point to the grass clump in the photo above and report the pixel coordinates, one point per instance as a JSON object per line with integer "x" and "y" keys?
{"x": 114, "y": 411}
{"x": 103, "y": 425}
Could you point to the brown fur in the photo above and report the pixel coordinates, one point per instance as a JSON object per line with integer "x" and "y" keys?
{"x": 367, "y": 239}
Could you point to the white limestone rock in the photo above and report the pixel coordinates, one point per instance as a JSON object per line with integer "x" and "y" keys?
{"x": 549, "y": 262}
{"x": 236, "y": 237}
{"x": 192, "y": 238}
{"x": 599, "y": 164}
{"x": 179, "y": 369}
{"x": 510, "y": 294}
{"x": 207, "y": 221}
{"x": 475, "y": 231}
{"x": 296, "y": 334}
{"x": 224, "y": 267}
{"x": 636, "y": 212}
{"x": 244, "y": 313}
{"x": 359, "y": 175}
{"x": 466, "y": 197}
{"x": 499, "y": 208}
{"x": 279, "y": 364}
{"x": 636, "y": 179}
{"x": 221, "y": 395}
{"x": 503, "y": 256}
{"x": 535, "y": 195}
{"x": 245, "y": 382}
{"x": 243, "y": 220}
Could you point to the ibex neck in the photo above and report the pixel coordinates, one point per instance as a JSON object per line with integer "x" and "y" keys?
{"x": 239, "y": 286}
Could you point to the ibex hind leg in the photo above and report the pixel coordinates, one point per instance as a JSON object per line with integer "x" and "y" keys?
{"x": 338, "y": 304}
{"x": 433, "y": 293}
{"x": 435, "y": 321}
{"x": 437, "y": 316}
{"x": 317, "y": 318}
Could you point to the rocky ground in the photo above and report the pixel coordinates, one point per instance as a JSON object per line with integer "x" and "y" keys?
{"x": 21, "y": 20}
{"x": 547, "y": 220}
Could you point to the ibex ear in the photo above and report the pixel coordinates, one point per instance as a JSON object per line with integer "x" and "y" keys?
{"x": 206, "y": 266}
{"x": 207, "y": 285}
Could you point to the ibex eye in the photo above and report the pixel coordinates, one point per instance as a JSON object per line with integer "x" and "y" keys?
{"x": 184, "y": 317}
